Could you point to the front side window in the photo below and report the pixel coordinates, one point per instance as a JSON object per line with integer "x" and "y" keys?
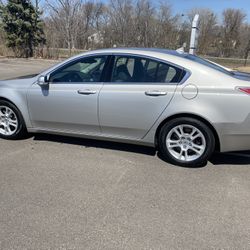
{"x": 142, "y": 70}
{"x": 84, "y": 70}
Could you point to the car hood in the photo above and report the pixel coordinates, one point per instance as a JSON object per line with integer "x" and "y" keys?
{"x": 18, "y": 83}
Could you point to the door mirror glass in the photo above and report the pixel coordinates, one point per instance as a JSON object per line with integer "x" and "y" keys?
{"x": 42, "y": 81}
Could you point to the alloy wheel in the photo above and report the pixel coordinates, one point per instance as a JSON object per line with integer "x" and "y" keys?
{"x": 186, "y": 143}
{"x": 8, "y": 121}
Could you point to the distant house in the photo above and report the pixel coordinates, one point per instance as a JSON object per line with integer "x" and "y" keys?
{"x": 96, "y": 38}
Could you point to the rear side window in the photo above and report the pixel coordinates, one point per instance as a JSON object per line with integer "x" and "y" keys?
{"x": 143, "y": 70}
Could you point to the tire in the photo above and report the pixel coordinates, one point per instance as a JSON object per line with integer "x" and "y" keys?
{"x": 186, "y": 142}
{"x": 16, "y": 124}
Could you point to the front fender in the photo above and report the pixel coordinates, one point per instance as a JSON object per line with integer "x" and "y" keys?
{"x": 19, "y": 98}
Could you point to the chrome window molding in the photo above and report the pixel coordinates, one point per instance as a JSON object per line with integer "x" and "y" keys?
{"x": 73, "y": 60}
{"x": 187, "y": 74}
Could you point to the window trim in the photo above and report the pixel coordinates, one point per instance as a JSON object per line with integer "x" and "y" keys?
{"x": 75, "y": 60}
{"x": 113, "y": 55}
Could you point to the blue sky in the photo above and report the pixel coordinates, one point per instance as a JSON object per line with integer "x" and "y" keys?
{"x": 181, "y": 6}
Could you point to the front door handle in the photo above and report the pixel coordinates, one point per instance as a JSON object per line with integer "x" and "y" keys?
{"x": 86, "y": 92}
{"x": 155, "y": 93}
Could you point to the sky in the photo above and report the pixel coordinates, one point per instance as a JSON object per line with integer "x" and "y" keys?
{"x": 181, "y": 6}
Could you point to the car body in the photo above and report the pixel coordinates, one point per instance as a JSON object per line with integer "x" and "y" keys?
{"x": 133, "y": 109}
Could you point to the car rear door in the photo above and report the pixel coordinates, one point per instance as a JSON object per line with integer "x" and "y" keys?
{"x": 70, "y": 102}
{"x": 138, "y": 92}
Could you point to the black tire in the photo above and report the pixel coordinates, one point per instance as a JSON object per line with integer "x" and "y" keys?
{"x": 21, "y": 131}
{"x": 204, "y": 129}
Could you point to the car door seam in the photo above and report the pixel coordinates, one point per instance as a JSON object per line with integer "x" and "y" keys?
{"x": 161, "y": 112}
{"x": 98, "y": 108}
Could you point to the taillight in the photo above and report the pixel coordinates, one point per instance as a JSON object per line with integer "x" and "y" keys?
{"x": 245, "y": 90}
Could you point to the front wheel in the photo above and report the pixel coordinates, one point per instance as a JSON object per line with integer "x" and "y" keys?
{"x": 12, "y": 125}
{"x": 186, "y": 142}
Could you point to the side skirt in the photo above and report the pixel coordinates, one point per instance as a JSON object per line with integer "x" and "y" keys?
{"x": 92, "y": 136}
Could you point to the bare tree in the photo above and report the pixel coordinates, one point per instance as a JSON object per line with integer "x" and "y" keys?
{"x": 232, "y": 22}
{"x": 168, "y": 27}
{"x": 90, "y": 20}
{"x": 247, "y": 50}
{"x": 121, "y": 21}
{"x": 64, "y": 14}
{"x": 94, "y": 24}
{"x": 143, "y": 23}
{"x": 244, "y": 47}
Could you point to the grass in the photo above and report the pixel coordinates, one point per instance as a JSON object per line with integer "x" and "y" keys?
{"x": 244, "y": 69}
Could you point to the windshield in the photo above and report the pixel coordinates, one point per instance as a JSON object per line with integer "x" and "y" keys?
{"x": 209, "y": 64}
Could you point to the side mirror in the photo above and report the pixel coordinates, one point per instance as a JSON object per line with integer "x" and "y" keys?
{"x": 42, "y": 81}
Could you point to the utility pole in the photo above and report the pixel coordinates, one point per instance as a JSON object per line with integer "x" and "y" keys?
{"x": 194, "y": 35}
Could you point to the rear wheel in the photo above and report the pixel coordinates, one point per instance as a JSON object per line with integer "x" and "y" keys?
{"x": 186, "y": 142}
{"x": 12, "y": 125}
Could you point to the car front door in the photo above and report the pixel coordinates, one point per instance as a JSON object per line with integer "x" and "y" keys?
{"x": 70, "y": 102}
{"x": 139, "y": 91}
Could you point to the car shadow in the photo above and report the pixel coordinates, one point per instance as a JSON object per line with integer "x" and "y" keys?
{"x": 90, "y": 143}
{"x": 232, "y": 158}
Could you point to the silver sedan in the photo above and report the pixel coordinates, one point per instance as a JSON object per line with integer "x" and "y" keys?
{"x": 183, "y": 105}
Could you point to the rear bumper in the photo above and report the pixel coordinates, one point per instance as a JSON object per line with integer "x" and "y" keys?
{"x": 234, "y": 136}
{"x": 235, "y": 143}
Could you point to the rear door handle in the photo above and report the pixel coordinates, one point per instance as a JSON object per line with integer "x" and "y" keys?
{"x": 155, "y": 93}
{"x": 86, "y": 92}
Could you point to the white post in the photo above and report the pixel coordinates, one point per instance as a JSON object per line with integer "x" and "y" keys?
{"x": 194, "y": 35}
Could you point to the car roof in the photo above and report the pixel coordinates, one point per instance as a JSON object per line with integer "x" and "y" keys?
{"x": 143, "y": 50}
{"x": 172, "y": 56}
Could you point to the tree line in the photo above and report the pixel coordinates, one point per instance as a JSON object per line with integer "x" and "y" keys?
{"x": 75, "y": 24}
